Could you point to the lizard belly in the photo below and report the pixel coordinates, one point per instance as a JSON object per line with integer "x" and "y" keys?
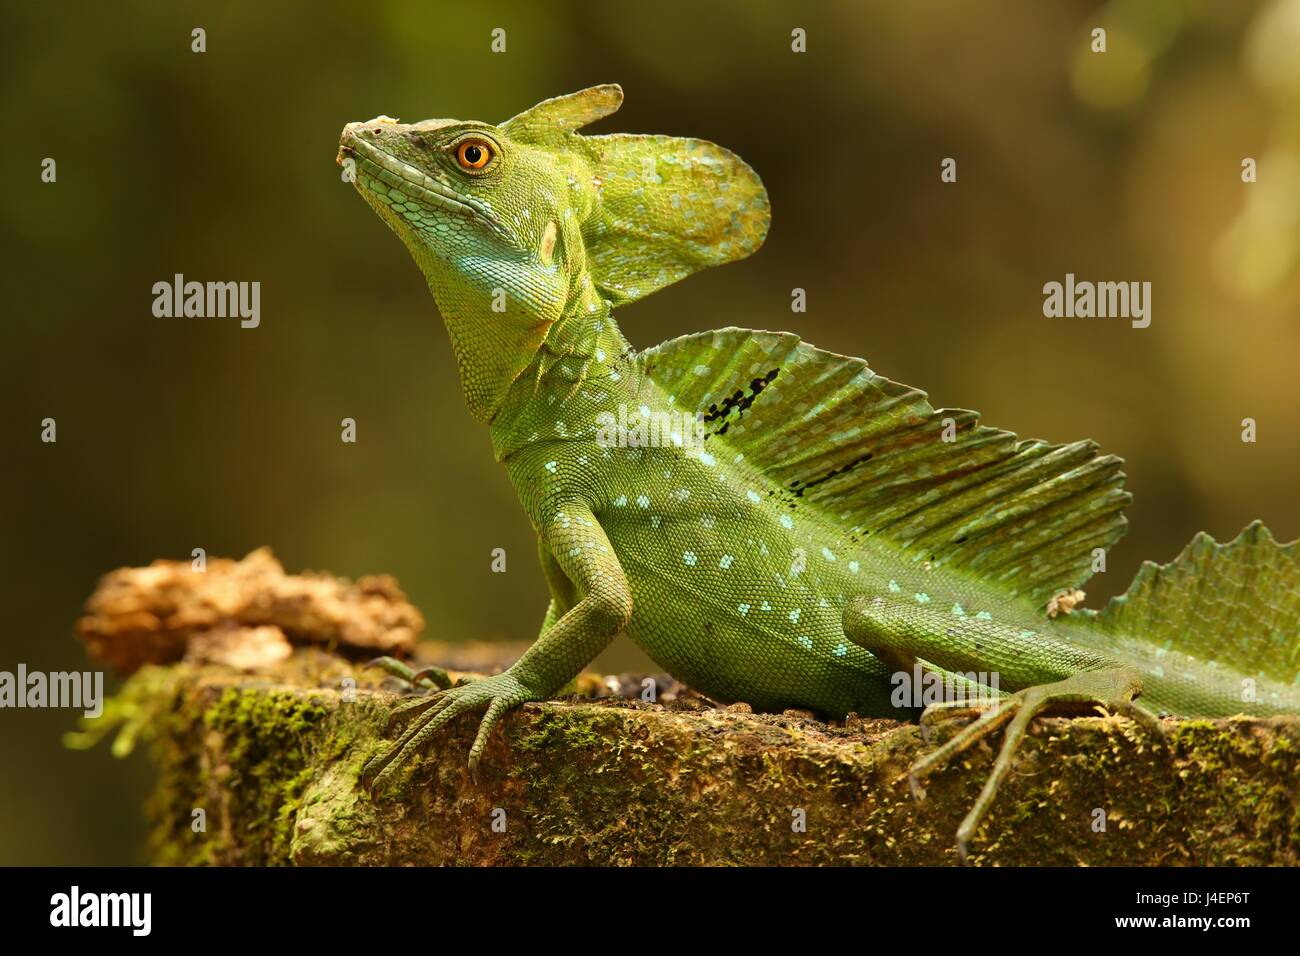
{"x": 727, "y": 599}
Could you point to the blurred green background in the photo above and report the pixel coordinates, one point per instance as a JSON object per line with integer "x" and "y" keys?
{"x": 175, "y": 434}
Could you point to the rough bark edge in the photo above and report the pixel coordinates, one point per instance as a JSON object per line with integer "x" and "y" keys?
{"x": 246, "y": 611}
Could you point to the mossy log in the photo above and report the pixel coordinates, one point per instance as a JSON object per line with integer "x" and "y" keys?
{"x": 245, "y": 680}
{"x": 273, "y": 763}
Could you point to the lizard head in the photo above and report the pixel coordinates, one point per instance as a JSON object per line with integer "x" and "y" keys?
{"x": 521, "y": 225}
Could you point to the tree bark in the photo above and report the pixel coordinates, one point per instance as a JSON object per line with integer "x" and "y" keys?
{"x": 274, "y": 762}
{"x": 246, "y": 682}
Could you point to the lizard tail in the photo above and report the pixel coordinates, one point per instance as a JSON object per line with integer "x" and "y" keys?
{"x": 1233, "y": 606}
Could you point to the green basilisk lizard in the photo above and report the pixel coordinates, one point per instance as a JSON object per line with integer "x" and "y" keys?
{"x": 770, "y": 522}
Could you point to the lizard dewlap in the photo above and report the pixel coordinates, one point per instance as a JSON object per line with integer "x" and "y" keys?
{"x": 783, "y": 526}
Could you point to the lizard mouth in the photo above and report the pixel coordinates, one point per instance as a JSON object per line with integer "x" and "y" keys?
{"x": 385, "y": 169}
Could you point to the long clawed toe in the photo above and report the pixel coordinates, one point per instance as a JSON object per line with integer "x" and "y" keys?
{"x": 422, "y": 709}
{"x": 986, "y": 722}
{"x": 946, "y": 712}
{"x": 432, "y": 675}
{"x": 426, "y": 678}
{"x": 434, "y": 714}
{"x": 1113, "y": 691}
{"x": 429, "y": 714}
{"x": 399, "y": 669}
{"x": 407, "y": 709}
{"x": 1143, "y": 718}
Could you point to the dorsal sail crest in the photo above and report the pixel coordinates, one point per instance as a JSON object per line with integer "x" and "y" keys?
{"x": 876, "y": 458}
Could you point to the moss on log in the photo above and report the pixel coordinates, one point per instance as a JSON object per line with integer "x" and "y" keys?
{"x": 273, "y": 763}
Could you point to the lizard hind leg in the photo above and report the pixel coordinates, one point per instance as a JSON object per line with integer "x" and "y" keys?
{"x": 1113, "y": 690}
{"x": 901, "y": 636}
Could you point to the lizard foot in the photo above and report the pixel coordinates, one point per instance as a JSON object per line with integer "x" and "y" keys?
{"x": 1078, "y": 695}
{"x": 426, "y": 677}
{"x": 499, "y": 693}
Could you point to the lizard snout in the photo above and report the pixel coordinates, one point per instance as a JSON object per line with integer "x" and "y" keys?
{"x": 353, "y": 132}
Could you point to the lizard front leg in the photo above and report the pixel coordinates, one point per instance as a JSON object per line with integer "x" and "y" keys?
{"x": 574, "y": 540}
{"x": 1052, "y": 676}
{"x": 563, "y": 596}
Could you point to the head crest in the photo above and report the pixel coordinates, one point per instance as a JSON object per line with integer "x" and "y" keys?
{"x": 667, "y": 206}
{"x": 552, "y": 120}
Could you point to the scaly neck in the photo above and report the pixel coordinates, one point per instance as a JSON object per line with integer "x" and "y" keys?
{"x": 581, "y": 368}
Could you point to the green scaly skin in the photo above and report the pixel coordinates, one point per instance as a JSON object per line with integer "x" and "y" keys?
{"x": 739, "y": 579}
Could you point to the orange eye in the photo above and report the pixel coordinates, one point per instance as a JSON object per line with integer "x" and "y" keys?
{"x": 473, "y": 154}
